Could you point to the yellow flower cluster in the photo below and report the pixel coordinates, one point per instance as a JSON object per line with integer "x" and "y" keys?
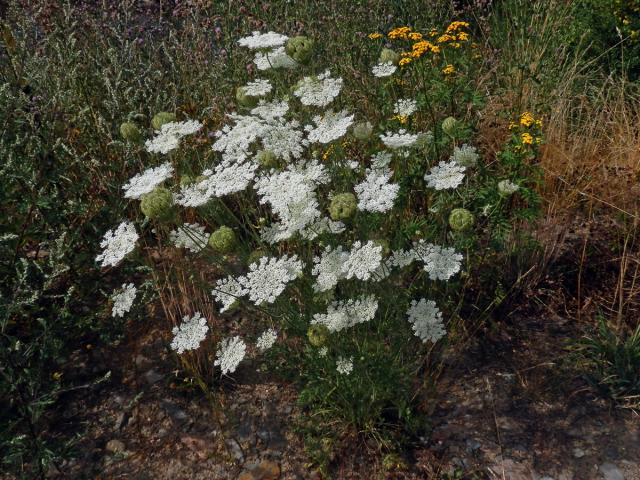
{"x": 399, "y": 33}
{"x": 400, "y": 118}
{"x": 449, "y": 69}
{"x": 529, "y": 127}
{"x": 375, "y": 35}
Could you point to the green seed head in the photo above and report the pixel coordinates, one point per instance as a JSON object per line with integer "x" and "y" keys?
{"x": 130, "y": 132}
{"x": 317, "y": 335}
{"x": 449, "y": 125}
{"x": 300, "y": 48}
{"x": 158, "y": 205}
{"x": 461, "y": 219}
{"x": 267, "y": 159}
{"x": 424, "y": 139}
{"x": 223, "y": 240}
{"x": 186, "y": 180}
{"x": 245, "y": 100}
{"x": 387, "y": 55}
{"x": 161, "y": 118}
{"x": 362, "y": 130}
{"x": 343, "y": 206}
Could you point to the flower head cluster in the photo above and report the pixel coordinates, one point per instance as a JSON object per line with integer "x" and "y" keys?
{"x": 363, "y": 260}
{"x": 190, "y": 333}
{"x": 426, "y": 320}
{"x": 375, "y": 193}
{"x": 344, "y": 366}
{"x": 441, "y": 263}
{"x": 230, "y": 353}
{"x": 445, "y": 175}
{"x": 347, "y": 313}
{"x": 267, "y": 339}
{"x": 146, "y": 181}
{"x": 259, "y": 40}
{"x": 268, "y": 278}
{"x": 257, "y": 88}
{"x": 123, "y": 300}
{"x": 401, "y": 139}
{"x": 276, "y": 58}
{"x": 228, "y": 291}
{"x": 318, "y": 91}
{"x": 405, "y": 107}
{"x": 190, "y": 236}
{"x": 329, "y": 127}
{"x": 466, "y": 155}
{"x": 117, "y": 244}
{"x": 385, "y": 69}
{"x": 168, "y": 138}
{"x": 328, "y": 268}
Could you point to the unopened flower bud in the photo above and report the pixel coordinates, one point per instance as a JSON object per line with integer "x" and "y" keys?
{"x": 387, "y": 55}
{"x": 161, "y": 118}
{"x": 362, "y": 130}
{"x": 130, "y": 132}
{"x": 300, "y": 48}
{"x": 223, "y": 240}
{"x": 449, "y": 125}
{"x": 343, "y": 206}
{"x": 158, "y": 205}
{"x": 244, "y": 99}
{"x": 317, "y": 335}
{"x": 267, "y": 158}
{"x": 461, "y": 219}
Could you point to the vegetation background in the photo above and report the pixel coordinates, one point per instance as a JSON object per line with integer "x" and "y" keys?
{"x": 72, "y": 72}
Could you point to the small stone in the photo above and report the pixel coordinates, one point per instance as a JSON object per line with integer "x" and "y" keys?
{"x": 153, "y": 377}
{"x": 611, "y": 472}
{"x": 266, "y": 470}
{"x": 115, "y": 446}
{"x": 578, "y": 453}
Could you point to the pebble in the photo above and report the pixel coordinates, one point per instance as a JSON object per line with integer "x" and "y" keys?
{"x": 578, "y": 453}
{"x": 611, "y": 472}
{"x": 115, "y": 446}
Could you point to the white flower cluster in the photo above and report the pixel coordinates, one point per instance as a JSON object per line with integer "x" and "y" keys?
{"x": 227, "y": 291}
{"x": 329, "y": 127}
{"x": 146, "y": 181}
{"x": 123, "y": 300}
{"x": 441, "y": 263}
{"x": 230, "y": 353}
{"x": 445, "y": 175}
{"x": 266, "y": 339}
{"x": 375, "y": 193}
{"x": 344, "y": 366}
{"x": 257, "y": 88}
{"x": 343, "y": 314}
{"x": 276, "y": 58}
{"x": 363, "y": 260}
{"x": 190, "y": 333}
{"x": 318, "y": 91}
{"x": 466, "y": 155}
{"x": 191, "y": 236}
{"x": 259, "y": 40}
{"x": 401, "y": 139}
{"x": 168, "y": 138}
{"x": 384, "y": 69}
{"x": 426, "y": 320}
{"x": 117, "y": 244}
{"x": 405, "y": 107}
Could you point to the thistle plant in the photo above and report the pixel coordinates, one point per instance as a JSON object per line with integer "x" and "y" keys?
{"x": 344, "y": 236}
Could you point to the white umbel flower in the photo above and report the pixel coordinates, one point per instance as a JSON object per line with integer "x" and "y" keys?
{"x": 318, "y": 91}
{"x": 426, "y": 320}
{"x": 276, "y": 58}
{"x": 344, "y": 366}
{"x": 329, "y": 127}
{"x": 381, "y": 159}
{"x": 271, "y": 110}
{"x": 168, "y": 138}
{"x": 383, "y": 69}
{"x": 117, "y": 244}
{"x": 268, "y": 278}
{"x": 146, "y": 181}
{"x": 230, "y": 353}
{"x": 123, "y": 300}
{"x": 266, "y": 339}
{"x": 190, "y": 333}
{"x": 466, "y": 155}
{"x": 507, "y": 187}
{"x": 320, "y": 226}
{"x": 405, "y": 107}
{"x": 445, "y": 175}
{"x": 227, "y": 291}
{"x": 259, "y": 40}
{"x": 257, "y": 88}
{"x": 328, "y": 268}
{"x": 401, "y": 139}
{"x": 441, "y": 263}
{"x": 283, "y": 139}
{"x": 347, "y": 313}
{"x": 191, "y": 236}
{"x": 363, "y": 260}
{"x": 375, "y": 193}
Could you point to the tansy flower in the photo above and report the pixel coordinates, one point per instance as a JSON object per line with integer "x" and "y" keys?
{"x": 463, "y": 36}
{"x": 449, "y": 69}
{"x": 526, "y": 119}
{"x": 400, "y": 32}
{"x": 404, "y": 61}
{"x": 527, "y": 139}
{"x": 454, "y": 26}
{"x": 433, "y": 32}
{"x": 415, "y": 36}
{"x": 445, "y": 38}
{"x": 374, "y": 36}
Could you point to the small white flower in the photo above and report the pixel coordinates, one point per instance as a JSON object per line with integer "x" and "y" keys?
{"x": 230, "y": 353}
{"x": 117, "y": 244}
{"x": 384, "y": 69}
{"x": 268, "y": 278}
{"x": 426, "y": 320}
{"x": 507, "y": 187}
{"x": 227, "y": 291}
{"x": 445, "y": 175}
{"x": 344, "y": 366}
{"x": 343, "y": 314}
{"x": 191, "y": 236}
{"x": 266, "y": 339}
{"x": 381, "y": 159}
{"x": 329, "y": 127}
{"x": 168, "y": 138}
{"x": 405, "y": 107}
{"x": 375, "y": 193}
{"x": 322, "y": 352}
{"x": 123, "y": 300}
{"x": 259, "y": 40}
{"x": 318, "y": 91}
{"x": 466, "y": 155}
{"x": 401, "y": 139}
{"x": 328, "y": 268}
{"x": 441, "y": 263}
{"x": 190, "y": 333}
{"x": 276, "y": 58}
{"x": 146, "y": 181}
{"x": 257, "y": 88}
{"x": 363, "y": 260}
